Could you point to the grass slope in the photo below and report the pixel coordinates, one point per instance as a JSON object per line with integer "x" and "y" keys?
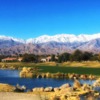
{"x": 78, "y": 70}
{"x": 90, "y": 67}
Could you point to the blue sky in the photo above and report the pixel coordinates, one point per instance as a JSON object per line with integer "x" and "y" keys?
{"x": 32, "y": 18}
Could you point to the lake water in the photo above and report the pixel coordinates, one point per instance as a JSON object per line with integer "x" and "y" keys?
{"x": 12, "y": 77}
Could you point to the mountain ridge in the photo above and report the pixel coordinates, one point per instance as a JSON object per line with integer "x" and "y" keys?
{"x": 50, "y": 44}
{"x": 56, "y": 38}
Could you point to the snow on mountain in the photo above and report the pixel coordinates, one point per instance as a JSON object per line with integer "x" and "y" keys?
{"x": 64, "y": 38}
{"x": 92, "y": 45}
{"x": 6, "y": 42}
{"x": 50, "y": 44}
{"x": 7, "y": 38}
{"x": 61, "y": 38}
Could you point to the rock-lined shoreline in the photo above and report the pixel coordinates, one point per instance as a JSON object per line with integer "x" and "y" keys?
{"x": 75, "y": 92}
{"x": 64, "y": 92}
{"x": 33, "y": 73}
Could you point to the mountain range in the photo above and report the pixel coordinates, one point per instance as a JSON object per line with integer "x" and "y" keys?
{"x": 50, "y": 44}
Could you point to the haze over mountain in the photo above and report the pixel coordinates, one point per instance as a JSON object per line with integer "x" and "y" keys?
{"x": 50, "y": 44}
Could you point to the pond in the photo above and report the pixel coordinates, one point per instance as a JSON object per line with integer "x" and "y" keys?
{"x": 12, "y": 77}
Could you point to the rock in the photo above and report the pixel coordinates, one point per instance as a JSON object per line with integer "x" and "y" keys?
{"x": 97, "y": 88}
{"x": 6, "y": 88}
{"x": 19, "y": 88}
{"x": 39, "y": 76}
{"x": 63, "y": 97}
{"x": 27, "y": 72}
{"x": 23, "y": 87}
{"x": 22, "y": 74}
{"x": 66, "y": 76}
{"x": 48, "y": 89}
{"x": 77, "y": 84}
{"x": 35, "y": 89}
{"x": 29, "y": 75}
{"x": 53, "y": 76}
{"x": 73, "y": 76}
{"x": 29, "y": 69}
{"x": 48, "y": 75}
{"x": 74, "y": 98}
{"x": 43, "y": 75}
{"x": 24, "y": 69}
{"x": 97, "y": 83}
{"x": 41, "y": 89}
{"x": 76, "y": 76}
{"x": 59, "y": 75}
{"x": 56, "y": 89}
{"x": 70, "y": 76}
{"x": 83, "y": 77}
{"x": 65, "y": 86}
{"x": 86, "y": 87}
{"x": 54, "y": 97}
{"x": 66, "y": 90}
{"x": 90, "y": 97}
{"x": 91, "y": 77}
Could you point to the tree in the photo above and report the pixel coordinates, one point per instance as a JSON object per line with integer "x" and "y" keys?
{"x": 87, "y": 56}
{"x": 76, "y": 56}
{"x": 99, "y": 57}
{"x": 30, "y": 58}
{"x": 53, "y": 57}
{"x": 64, "y": 57}
{"x": 60, "y": 59}
{"x": 1, "y": 57}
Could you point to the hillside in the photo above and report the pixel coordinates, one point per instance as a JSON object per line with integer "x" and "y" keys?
{"x": 50, "y": 44}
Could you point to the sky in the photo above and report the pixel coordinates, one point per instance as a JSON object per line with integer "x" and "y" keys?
{"x": 33, "y": 18}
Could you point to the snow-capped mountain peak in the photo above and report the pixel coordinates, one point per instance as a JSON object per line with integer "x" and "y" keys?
{"x": 60, "y": 38}
{"x": 50, "y": 44}
{"x": 55, "y": 38}
{"x": 4, "y": 38}
{"x": 63, "y": 38}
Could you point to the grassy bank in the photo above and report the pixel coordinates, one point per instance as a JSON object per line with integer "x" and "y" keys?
{"x": 89, "y": 64}
{"x": 78, "y": 70}
{"x": 67, "y": 67}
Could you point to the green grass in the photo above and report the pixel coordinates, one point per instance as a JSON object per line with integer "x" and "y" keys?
{"x": 64, "y": 68}
{"x": 18, "y": 64}
{"x": 78, "y": 70}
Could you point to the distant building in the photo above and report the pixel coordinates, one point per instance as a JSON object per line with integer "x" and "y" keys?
{"x": 9, "y": 59}
{"x": 48, "y": 58}
{"x": 43, "y": 60}
{"x": 20, "y": 59}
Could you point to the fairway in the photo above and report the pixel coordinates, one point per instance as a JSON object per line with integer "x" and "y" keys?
{"x": 68, "y": 67}
{"x": 78, "y": 70}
